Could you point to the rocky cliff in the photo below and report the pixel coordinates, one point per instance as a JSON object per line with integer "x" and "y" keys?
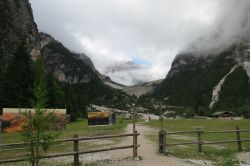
{"x": 64, "y": 65}
{"x": 75, "y": 73}
{"x": 16, "y": 25}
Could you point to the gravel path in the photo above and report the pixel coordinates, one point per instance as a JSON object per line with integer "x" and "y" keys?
{"x": 244, "y": 158}
{"x": 147, "y": 151}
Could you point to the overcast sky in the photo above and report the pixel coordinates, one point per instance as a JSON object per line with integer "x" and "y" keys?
{"x": 136, "y": 40}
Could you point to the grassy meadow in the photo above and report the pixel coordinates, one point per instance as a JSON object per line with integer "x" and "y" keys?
{"x": 216, "y": 152}
{"x": 79, "y": 127}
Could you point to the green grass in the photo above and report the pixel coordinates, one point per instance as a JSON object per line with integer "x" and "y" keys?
{"x": 217, "y": 153}
{"x": 80, "y": 128}
{"x": 192, "y": 124}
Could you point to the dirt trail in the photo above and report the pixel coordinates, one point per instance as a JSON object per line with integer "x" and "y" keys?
{"x": 147, "y": 150}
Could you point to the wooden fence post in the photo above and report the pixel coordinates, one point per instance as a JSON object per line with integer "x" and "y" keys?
{"x": 238, "y": 138}
{"x": 199, "y": 140}
{"x": 76, "y": 150}
{"x": 32, "y": 154}
{"x": 162, "y": 141}
{"x": 135, "y": 148}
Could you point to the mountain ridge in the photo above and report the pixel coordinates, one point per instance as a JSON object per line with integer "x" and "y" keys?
{"x": 75, "y": 73}
{"x": 201, "y": 81}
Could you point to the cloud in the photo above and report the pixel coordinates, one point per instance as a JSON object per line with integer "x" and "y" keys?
{"x": 231, "y": 26}
{"x": 145, "y": 33}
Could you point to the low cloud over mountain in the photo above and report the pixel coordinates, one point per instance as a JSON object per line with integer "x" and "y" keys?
{"x": 145, "y": 33}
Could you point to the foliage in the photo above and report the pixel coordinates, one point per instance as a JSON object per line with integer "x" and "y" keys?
{"x": 40, "y": 86}
{"x": 189, "y": 112}
{"x": 201, "y": 111}
{"x": 4, "y": 19}
{"x": 38, "y": 123}
{"x": 148, "y": 103}
{"x": 245, "y": 111}
{"x": 76, "y": 101}
{"x": 18, "y": 80}
{"x": 55, "y": 93}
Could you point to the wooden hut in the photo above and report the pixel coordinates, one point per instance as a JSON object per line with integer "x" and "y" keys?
{"x": 223, "y": 115}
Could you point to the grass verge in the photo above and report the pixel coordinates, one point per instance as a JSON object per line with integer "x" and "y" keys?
{"x": 222, "y": 154}
{"x": 80, "y": 128}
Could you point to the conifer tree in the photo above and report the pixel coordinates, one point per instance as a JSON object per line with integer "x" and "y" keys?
{"x": 55, "y": 93}
{"x": 19, "y": 79}
{"x": 35, "y": 131}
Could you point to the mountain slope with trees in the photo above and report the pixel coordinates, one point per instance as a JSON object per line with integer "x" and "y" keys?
{"x": 72, "y": 81}
{"x": 193, "y": 79}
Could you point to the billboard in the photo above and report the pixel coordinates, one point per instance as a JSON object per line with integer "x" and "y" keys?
{"x": 99, "y": 118}
{"x": 13, "y": 119}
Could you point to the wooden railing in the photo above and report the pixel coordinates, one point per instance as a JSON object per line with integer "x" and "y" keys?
{"x": 163, "y": 134}
{"x": 76, "y": 151}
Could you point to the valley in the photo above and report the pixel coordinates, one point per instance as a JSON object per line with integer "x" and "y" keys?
{"x": 125, "y": 83}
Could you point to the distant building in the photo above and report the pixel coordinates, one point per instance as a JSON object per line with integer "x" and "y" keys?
{"x": 223, "y": 114}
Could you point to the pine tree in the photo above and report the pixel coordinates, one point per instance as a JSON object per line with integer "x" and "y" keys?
{"x": 55, "y": 93}
{"x": 19, "y": 79}
{"x": 35, "y": 131}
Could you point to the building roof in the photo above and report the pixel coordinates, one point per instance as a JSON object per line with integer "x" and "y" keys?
{"x": 222, "y": 112}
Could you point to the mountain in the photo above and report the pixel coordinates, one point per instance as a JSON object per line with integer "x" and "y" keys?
{"x": 218, "y": 81}
{"x": 66, "y": 66}
{"x": 142, "y": 89}
{"x": 74, "y": 73}
{"x": 107, "y": 80}
{"x": 77, "y": 71}
{"x": 137, "y": 90}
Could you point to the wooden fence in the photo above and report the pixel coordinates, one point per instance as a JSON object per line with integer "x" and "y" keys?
{"x": 163, "y": 134}
{"x": 76, "y": 151}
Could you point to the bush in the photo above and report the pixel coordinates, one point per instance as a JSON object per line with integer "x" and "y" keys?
{"x": 189, "y": 112}
{"x": 245, "y": 111}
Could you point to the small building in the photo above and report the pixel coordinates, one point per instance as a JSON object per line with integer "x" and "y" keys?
{"x": 223, "y": 114}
